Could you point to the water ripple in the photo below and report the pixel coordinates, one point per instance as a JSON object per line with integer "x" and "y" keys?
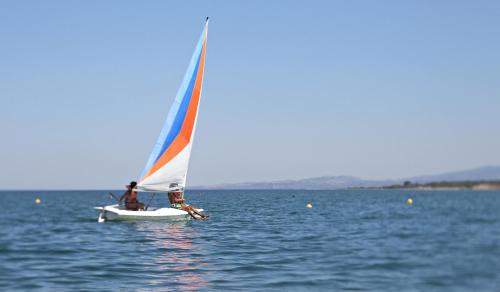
{"x": 350, "y": 240}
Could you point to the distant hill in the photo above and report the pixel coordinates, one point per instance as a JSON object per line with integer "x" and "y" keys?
{"x": 450, "y": 185}
{"x": 315, "y": 183}
{"x": 476, "y": 174}
{"x": 487, "y": 173}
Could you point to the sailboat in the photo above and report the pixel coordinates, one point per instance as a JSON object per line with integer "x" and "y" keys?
{"x": 167, "y": 166}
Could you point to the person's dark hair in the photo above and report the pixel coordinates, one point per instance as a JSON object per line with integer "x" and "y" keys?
{"x": 133, "y": 184}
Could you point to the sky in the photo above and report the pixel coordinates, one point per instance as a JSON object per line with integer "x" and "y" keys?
{"x": 293, "y": 89}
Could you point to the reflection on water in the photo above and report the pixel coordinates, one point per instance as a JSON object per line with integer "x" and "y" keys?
{"x": 177, "y": 261}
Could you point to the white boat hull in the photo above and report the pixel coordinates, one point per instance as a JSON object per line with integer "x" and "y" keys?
{"x": 115, "y": 212}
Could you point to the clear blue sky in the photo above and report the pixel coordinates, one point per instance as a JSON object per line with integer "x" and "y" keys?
{"x": 376, "y": 89}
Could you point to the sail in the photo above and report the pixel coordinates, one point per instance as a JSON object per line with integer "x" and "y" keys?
{"x": 167, "y": 166}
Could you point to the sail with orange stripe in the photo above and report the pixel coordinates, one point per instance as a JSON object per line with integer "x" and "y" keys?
{"x": 167, "y": 166}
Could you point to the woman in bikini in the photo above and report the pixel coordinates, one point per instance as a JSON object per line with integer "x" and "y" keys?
{"x": 130, "y": 197}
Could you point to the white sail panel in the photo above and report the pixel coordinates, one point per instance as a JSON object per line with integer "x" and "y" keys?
{"x": 174, "y": 173}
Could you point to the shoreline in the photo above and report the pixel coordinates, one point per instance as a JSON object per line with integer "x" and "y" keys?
{"x": 449, "y": 185}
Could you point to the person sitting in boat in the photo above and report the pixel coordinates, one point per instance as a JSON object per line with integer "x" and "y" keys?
{"x": 130, "y": 197}
{"x": 177, "y": 201}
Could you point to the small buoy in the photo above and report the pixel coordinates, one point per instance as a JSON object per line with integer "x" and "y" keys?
{"x": 37, "y": 200}
{"x": 309, "y": 205}
{"x": 409, "y": 201}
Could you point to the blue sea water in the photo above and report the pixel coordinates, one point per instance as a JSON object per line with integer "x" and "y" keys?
{"x": 366, "y": 240}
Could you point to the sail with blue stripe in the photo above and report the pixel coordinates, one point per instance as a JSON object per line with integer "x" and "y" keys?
{"x": 167, "y": 165}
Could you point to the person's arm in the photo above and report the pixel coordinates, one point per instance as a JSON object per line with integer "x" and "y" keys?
{"x": 123, "y": 196}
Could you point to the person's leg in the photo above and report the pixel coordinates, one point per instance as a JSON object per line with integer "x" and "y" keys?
{"x": 196, "y": 212}
{"x": 189, "y": 211}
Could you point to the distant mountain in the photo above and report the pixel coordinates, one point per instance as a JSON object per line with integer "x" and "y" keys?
{"x": 481, "y": 173}
{"x": 315, "y": 183}
{"x": 346, "y": 182}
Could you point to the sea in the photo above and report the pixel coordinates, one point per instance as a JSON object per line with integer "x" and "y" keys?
{"x": 255, "y": 240}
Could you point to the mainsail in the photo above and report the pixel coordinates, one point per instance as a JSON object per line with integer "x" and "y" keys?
{"x": 167, "y": 166}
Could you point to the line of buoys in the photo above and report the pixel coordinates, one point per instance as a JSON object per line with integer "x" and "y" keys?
{"x": 409, "y": 201}
{"x": 38, "y": 200}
